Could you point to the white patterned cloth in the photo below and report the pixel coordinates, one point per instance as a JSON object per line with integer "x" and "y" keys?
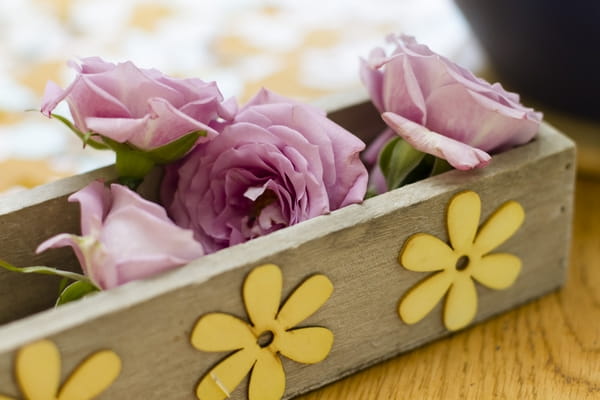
{"x": 303, "y": 49}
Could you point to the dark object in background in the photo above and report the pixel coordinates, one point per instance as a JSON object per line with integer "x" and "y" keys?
{"x": 548, "y": 50}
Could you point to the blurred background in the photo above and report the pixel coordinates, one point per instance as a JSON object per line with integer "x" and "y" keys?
{"x": 304, "y": 49}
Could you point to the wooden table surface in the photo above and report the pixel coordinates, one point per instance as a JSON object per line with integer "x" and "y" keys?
{"x": 547, "y": 349}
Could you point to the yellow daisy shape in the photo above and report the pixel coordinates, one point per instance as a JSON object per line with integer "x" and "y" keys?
{"x": 467, "y": 259}
{"x": 269, "y": 334}
{"x": 37, "y": 369}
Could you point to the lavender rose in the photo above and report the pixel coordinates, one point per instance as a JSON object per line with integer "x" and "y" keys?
{"x": 124, "y": 237}
{"x": 142, "y": 107}
{"x": 441, "y": 108}
{"x": 278, "y": 163}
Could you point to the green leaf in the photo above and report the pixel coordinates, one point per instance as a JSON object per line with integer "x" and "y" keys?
{"x": 421, "y": 171}
{"x": 396, "y": 160}
{"x": 63, "y": 284}
{"x": 76, "y": 291}
{"x": 176, "y": 149}
{"x": 85, "y": 137}
{"x": 45, "y": 271}
{"x": 440, "y": 166}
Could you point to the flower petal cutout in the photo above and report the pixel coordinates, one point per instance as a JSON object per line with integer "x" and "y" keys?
{"x": 92, "y": 376}
{"x": 306, "y": 345}
{"x": 221, "y": 332}
{"x": 267, "y": 381}
{"x": 38, "y": 370}
{"x": 461, "y": 303}
{"x": 497, "y": 271}
{"x": 421, "y": 299}
{"x": 423, "y": 253}
{"x": 464, "y": 212}
{"x": 262, "y": 294}
{"x": 305, "y": 301}
{"x": 503, "y": 223}
{"x": 221, "y": 380}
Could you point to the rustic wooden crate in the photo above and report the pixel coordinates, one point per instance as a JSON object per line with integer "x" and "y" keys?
{"x": 148, "y": 323}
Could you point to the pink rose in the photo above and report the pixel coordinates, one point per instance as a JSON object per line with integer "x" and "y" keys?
{"x": 278, "y": 163}
{"x": 124, "y": 237}
{"x": 142, "y": 107}
{"x": 441, "y": 108}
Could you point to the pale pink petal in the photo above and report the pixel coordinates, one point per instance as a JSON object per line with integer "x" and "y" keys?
{"x": 372, "y": 78}
{"x": 53, "y": 94}
{"x": 94, "y": 201}
{"x": 459, "y": 155}
{"x": 371, "y": 154}
{"x": 162, "y": 125}
{"x": 401, "y": 92}
{"x": 476, "y": 120}
{"x": 64, "y": 240}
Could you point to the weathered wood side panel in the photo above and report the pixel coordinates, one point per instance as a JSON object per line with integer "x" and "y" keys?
{"x": 26, "y": 220}
{"x": 148, "y": 323}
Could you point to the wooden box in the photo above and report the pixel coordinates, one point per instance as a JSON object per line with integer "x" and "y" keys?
{"x": 148, "y": 323}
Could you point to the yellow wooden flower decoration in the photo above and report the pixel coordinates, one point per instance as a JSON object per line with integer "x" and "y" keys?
{"x": 468, "y": 259}
{"x": 271, "y": 332}
{"x": 37, "y": 369}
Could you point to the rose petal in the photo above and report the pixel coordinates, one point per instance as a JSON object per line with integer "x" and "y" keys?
{"x": 404, "y": 98}
{"x": 459, "y": 155}
{"x": 94, "y": 201}
{"x": 372, "y": 78}
{"x": 163, "y": 124}
{"x": 53, "y": 94}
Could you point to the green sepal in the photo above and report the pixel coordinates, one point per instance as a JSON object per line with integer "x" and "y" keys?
{"x": 43, "y": 270}
{"x": 133, "y": 164}
{"x": 63, "y": 284}
{"x": 75, "y": 291}
{"x": 421, "y": 171}
{"x": 85, "y": 137}
{"x": 397, "y": 159}
{"x": 440, "y": 166}
{"x": 176, "y": 149}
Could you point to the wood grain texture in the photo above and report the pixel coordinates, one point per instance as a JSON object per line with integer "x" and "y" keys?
{"x": 148, "y": 322}
{"x": 546, "y": 349}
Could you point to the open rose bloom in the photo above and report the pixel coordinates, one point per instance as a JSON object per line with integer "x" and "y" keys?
{"x": 277, "y": 163}
{"x": 124, "y": 237}
{"x": 142, "y": 107}
{"x": 441, "y": 108}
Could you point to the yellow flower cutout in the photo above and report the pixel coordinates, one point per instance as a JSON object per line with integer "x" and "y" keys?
{"x": 37, "y": 369}
{"x": 468, "y": 259}
{"x": 258, "y": 344}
